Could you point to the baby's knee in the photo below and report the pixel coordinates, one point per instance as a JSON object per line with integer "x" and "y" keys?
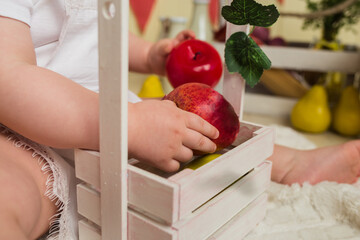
{"x": 22, "y": 193}
{"x": 10, "y": 227}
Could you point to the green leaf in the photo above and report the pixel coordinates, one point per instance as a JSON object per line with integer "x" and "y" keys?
{"x": 242, "y": 12}
{"x": 244, "y": 56}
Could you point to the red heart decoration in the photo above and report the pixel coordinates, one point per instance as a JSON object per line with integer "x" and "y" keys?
{"x": 142, "y": 10}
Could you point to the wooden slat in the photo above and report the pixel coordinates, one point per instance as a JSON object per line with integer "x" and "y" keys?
{"x": 296, "y": 58}
{"x": 143, "y": 228}
{"x": 219, "y": 210}
{"x": 313, "y": 60}
{"x": 88, "y": 201}
{"x": 87, "y": 167}
{"x": 66, "y": 153}
{"x": 113, "y": 73}
{"x": 153, "y": 194}
{"x": 268, "y": 105}
{"x": 244, "y": 222}
{"x": 88, "y": 231}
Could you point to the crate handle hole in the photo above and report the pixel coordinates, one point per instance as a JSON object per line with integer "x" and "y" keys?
{"x": 109, "y": 10}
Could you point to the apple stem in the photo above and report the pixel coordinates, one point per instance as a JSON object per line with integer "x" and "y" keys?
{"x": 196, "y": 54}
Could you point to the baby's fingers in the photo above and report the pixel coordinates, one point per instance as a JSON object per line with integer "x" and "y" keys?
{"x": 198, "y": 124}
{"x": 170, "y": 165}
{"x": 184, "y": 35}
{"x": 184, "y": 154}
{"x": 196, "y": 141}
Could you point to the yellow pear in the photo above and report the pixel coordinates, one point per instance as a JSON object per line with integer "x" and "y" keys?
{"x": 195, "y": 164}
{"x": 311, "y": 113}
{"x": 347, "y": 113}
{"x": 151, "y": 88}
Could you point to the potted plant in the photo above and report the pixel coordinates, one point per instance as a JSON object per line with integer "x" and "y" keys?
{"x": 330, "y": 16}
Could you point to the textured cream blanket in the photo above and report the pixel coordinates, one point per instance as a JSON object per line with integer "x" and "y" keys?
{"x": 325, "y": 211}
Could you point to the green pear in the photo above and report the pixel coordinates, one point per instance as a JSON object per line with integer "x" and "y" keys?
{"x": 347, "y": 113}
{"x": 311, "y": 113}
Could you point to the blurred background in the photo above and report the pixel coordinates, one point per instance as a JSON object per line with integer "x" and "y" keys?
{"x": 146, "y": 21}
{"x": 310, "y": 101}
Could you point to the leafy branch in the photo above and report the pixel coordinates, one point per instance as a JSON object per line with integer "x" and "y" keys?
{"x": 345, "y": 13}
{"x": 242, "y": 54}
{"x": 322, "y": 13}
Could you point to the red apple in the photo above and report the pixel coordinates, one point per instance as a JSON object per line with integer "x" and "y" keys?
{"x": 194, "y": 61}
{"x": 204, "y": 101}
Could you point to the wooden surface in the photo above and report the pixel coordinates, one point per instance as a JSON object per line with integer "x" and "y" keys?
{"x": 113, "y": 86}
{"x": 241, "y": 224}
{"x": 88, "y": 231}
{"x": 225, "y": 206}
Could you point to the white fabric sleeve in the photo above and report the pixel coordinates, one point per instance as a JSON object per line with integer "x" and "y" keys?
{"x": 17, "y": 9}
{"x": 133, "y": 98}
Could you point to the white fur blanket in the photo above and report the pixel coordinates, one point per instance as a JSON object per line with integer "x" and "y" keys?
{"x": 326, "y": 211}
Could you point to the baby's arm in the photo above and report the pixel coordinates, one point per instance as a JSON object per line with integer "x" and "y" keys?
{"x": 38, "y": 103}
{"x": 51, "y": 109}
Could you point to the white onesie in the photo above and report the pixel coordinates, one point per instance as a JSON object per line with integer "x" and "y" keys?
{"x": 64, "y": 33}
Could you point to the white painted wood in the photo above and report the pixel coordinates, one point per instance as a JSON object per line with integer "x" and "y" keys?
{"x": 244, "y": 222}
{"x": 210, "y": 179}
{"x": 153, "y": 194}
{"x": 143, "y": 228}
{"x": 297, "y": 58}
{"x": 312, "y": 59}
{"x": 201, "y": 223}
{"x": 88, "y": 231}
{"x": 68, "y": 154}
{"x": 87, "y": 167}
{"x": 88, "y": 201}
{"x": 268, "y": 105}
{"x": 113, "y": 18}
{"x": 219, "y": 210}
{"x": 233, "y": 83}
{"x": 173, "y": 198}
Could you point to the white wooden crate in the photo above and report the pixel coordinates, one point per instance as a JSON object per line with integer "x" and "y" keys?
{"x": 199, "y": 224}
{"x": 172, "y": 198}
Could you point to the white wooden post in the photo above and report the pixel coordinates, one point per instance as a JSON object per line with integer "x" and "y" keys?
{"x": 113, "y": 75}
{"x": 234, "y": 84}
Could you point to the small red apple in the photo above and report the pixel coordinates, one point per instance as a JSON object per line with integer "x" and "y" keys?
{"x": 204, "y": 101}
{"x": 194, "y": 61}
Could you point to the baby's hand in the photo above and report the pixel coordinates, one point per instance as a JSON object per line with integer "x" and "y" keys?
{"x": 160, "y": 50}
{"x": 163, "y": 135}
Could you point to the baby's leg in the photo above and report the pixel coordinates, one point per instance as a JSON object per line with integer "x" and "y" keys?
{"x": 340, "y": 163}
{"x": 25, "y": 210}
